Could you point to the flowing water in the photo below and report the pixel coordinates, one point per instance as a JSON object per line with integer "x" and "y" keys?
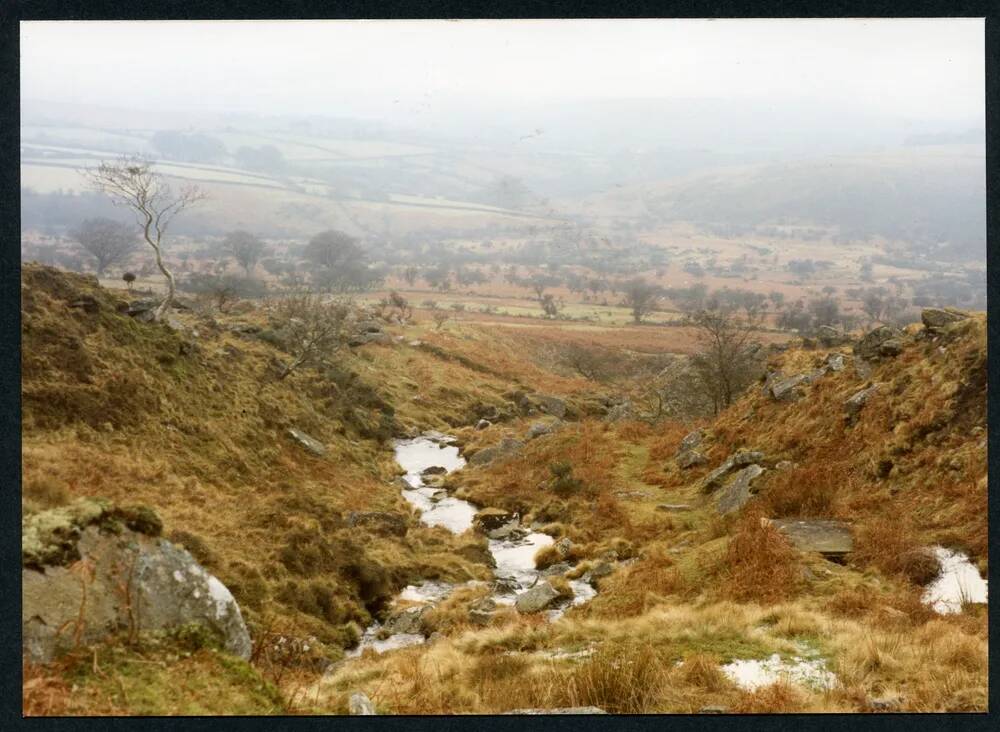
{"x": 514, "y": 557}
{"x": 959, "y": 582}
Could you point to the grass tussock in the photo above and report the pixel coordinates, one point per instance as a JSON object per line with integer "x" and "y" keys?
{"x": 761, "y": 565}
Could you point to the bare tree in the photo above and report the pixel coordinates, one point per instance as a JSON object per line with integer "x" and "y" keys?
{"x": 726, "y": 362}
{"x": 313, "y": 329}
{"x": 107, "y": 241}
{"x": 641, "y": 297}
{"x": 245, "y": 248}
{"x": 131, "y": 182}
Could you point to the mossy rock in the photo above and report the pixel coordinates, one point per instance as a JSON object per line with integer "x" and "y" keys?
{"x": 49, "y": 538}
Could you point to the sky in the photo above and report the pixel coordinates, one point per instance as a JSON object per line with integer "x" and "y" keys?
{"x": 920, "y": 68}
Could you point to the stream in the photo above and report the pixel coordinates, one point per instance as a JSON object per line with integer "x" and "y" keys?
{"x": 514, "y": 556}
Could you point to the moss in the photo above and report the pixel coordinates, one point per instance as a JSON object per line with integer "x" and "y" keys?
{"x": 49, "y": 538}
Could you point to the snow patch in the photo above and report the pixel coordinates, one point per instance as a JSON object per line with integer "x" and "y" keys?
{"x": 752, "y": 674}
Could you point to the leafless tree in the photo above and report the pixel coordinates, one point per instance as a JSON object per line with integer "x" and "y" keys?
{"x": 245, "y": 248}
{"x": 130, "y": 181}
{"x": 726, "y": 362}
{"x": 313, "y": 329}
{"x": 641, "y": 297}
{"x": 109, "y": 242}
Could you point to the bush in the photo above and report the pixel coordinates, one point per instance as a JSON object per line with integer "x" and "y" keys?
{"x": 563, "y": 482}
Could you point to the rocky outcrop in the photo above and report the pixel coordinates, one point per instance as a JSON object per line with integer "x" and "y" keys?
{"x": 830, "y": 538}
{"x": 86, "y": 575}
{"x": 936, "y": 319}
{"x": 829, "y": 336}
{"x": 854, "y": 404}
{"x": 834, "y": 362}
{"x": 687, "y": 456}
{"x": 310, "y": 444}
{"x": 739, "y": 459}
{"x": 551, "y": 405}
{"x": 787, "y": 390}
{"x": 884, "y": 341}
{"x": 691, "y": 441}
{"x": 737, "y": 493}
{"x": 536, "y": 599}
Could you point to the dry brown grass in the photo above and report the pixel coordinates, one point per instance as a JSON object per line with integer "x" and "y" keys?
{"x": 760, "y": 564}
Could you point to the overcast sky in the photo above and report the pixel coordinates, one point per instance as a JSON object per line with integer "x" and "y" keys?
{"x": 912, "y": 68}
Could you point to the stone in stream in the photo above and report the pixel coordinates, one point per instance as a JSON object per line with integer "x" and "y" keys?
{"x": 737, "y": 493}
{"x": 360, "y": 705}
{"x": 559, "y": 710}
{"x": 829, "y": 538}
{"x": 406, "y": 621}
{"x": 556, "y": 569}
{"x": 536, "y": 599}
{"x": 311, "y": 444}
{"x": 490, "y": 519}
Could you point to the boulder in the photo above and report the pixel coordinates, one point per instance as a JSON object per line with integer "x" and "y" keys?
{"x": 828, "y": 336}
{"x": 737, "y": 493}
{"x": 360, "y": 705}
{"x": 434, "y": 470}
{"x": 690, "y": 459}
{"x": 133, "y": 580}
{"x": 786, "y": 390}
{"x": 564, "y": 546}
{"x": 601, "y": 569}
{"x": 890, "y": 348}
{"x": 619, "y": 412}
{"x": 491, "y": 519}
{"x": 311, "y": 444}
{"x": 869, "y": 346}
{"x": 408, "y": 620}
{"x": 539, "y": 429}
{"x": 556, "y": 569}
{"x": 830, "y": 538}
{"x": 481, "y": 612}
{"x": 559, "y": 710}
{"x": 536, "y": 599}
{"x": 691, "y": 441}
{"x": 506, "y": 448}
{"x": 936, "y": 319}
{"x": 739, "y": 459}
{"x": 551, "y": 405}
{"x": 854, "y": 403}
{"x": 834, "y": 362}
{"x": 483, "y": 424}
